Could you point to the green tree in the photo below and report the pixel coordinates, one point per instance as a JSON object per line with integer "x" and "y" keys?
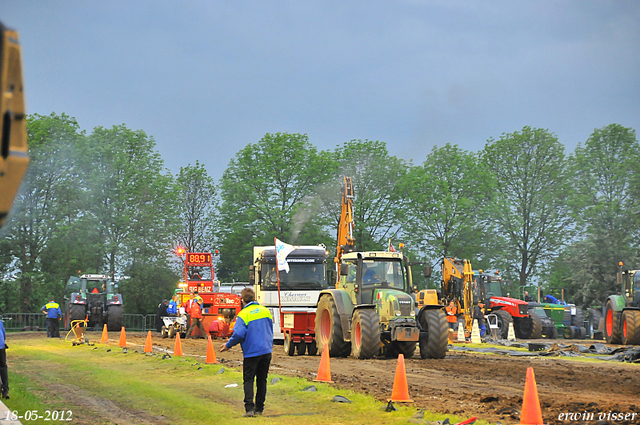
{"x": 48, "y": 200}
{"x": 446, "y": 204}
{"x": 260, "y": 190}
{"x": 130, "y": 197}
{"x": 531, "y": 211}
{"x": 376, "y": 177}
{"x": 196, "y": 205}
{"x": 605, "y": 175}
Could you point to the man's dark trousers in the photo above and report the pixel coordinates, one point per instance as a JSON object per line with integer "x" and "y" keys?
{"x": 4, "y": 376}
{"x": 255, "y": 368}
{"x": 53, "y": 329}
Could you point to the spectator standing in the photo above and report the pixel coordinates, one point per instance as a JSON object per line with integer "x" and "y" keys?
{"x": 452, "y": 315}
{"x": 54, "y": 315}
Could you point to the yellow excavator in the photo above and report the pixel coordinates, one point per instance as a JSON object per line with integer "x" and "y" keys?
{"x": 14, "y": 155}
{"x": 457, "y": 286}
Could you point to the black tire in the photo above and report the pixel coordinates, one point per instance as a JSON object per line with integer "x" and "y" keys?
{"x": 312, "y": 348}
{"x": 172, "y": 331}
{"x": 115, "y": 320}
{"x": 329, "y": 328}
{"x": 529, "y": 327}
{"x": 631, "y": 327}
{"x": 504, "y": 318}
{"x": 612, "y": 332}
{"x": 76, "y": 312}
{"x": 301, "y": 348}
{"x": 594, "y": 320}
{"x": 289, "y": 346}
{"x": 435, "y": 336}
{"x": 570, "y": 332}
{"x": 165, "y": 332}
{"x": 582, "y": 333}
{"x": 365, "y": 333}
{"x": 577, "y": 319}
{"x": 406, "y": 348}
{"x": 553, "y": 334}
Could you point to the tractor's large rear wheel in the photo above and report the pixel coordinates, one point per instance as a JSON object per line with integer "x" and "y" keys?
{"x": 434, "y": 336}
{"x": 577, "y": 319}
{"x": 115, "y": 320}
{"x": 329, "y": 328}
{"x": 76, "y": 312}
{"x": 612, "y": 325}
{"x": 365, "y": 334}
{"x": 504, "y": 318}
{"x": 529, "y": 327}
{"x": 594, "y": 320}
{"x": 631, "y": 327}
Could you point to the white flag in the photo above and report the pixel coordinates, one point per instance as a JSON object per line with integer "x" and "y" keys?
{"x": 282, "y": 250}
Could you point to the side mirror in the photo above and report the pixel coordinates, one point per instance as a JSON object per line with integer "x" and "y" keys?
{"x": 427, "y": 271}
{"x": 252, "y": 275}
{"x": 344, "y": 269}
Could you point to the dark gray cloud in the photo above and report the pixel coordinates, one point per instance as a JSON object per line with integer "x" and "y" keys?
{"x": 207, "y": 77}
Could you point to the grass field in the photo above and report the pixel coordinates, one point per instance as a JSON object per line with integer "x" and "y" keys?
{"x": 111, "y": 387}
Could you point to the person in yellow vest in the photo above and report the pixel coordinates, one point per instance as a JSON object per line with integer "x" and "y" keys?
{"x": 254, "y": 331}
{"x": 52, "y": 310}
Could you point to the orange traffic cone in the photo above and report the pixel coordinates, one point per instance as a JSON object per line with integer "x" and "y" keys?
{"x": 211, "y": 354}
{"x": 400, "y": 388}
{"x": 105, "y": 335}
{"x": 177, "y": 349}
{"x": 531, "y": 413}
{"x": 324, "y": 371}
{"x": 147, "y": 344}
{"x": 123, "y": 338}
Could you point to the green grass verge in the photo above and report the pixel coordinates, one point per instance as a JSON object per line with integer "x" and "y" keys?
{"x": 103, "y": 387}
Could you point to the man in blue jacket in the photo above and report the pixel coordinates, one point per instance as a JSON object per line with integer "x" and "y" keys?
{"x": 4, "y": 375}
{"x": 52, "y": 310}
{"x": 254, "y": 331}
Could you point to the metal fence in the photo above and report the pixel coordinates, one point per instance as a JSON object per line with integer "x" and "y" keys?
{"x": 14, "y": 322}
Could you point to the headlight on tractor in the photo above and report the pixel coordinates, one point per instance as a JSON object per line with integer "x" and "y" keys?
{"x": 398, "y": 313}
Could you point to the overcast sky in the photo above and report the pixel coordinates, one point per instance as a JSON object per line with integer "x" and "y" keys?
{"x": 205, "y": 78}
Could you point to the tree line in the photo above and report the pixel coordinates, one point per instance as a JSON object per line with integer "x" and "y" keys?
{"x": 102, "y": 202}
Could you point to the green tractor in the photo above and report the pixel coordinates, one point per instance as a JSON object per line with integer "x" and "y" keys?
{"x": 568, "y": 318}
{"x": 622, "y": 312}
{"x": 372, "y": 310}
{"x": 93, "y": 297}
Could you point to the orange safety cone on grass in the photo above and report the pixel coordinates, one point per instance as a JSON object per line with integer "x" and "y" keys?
{"x": 105, "y": 335}
{"x": 147, "y": 345}
{"x": 400, "y": 388}
{"x": 324, "y": 371}
{"x": 531, "y": 413}
{"x": 177, "y": 349}
{"x": 123, "y": 338}
{"x": 211, "y": 354}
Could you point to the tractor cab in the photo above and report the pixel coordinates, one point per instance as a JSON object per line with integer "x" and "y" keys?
{"x": 369, "y": 276}
{"x": 630, "y": 281}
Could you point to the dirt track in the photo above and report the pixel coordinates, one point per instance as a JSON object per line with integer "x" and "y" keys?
{"x": 468, "y": 384}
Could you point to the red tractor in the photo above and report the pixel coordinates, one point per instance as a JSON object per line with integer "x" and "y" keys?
{"x": 218, "y": 308}
{"x": 487, "y": 289}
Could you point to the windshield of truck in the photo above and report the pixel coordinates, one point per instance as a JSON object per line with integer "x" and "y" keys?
{"x": 493, "y": 289}
{"x": 199, "y": 273}
{"x": 383, "y": 273}
{"x": 300, "y": 276}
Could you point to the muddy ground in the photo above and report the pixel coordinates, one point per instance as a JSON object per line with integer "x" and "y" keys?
{"x": 466, "y": 384}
